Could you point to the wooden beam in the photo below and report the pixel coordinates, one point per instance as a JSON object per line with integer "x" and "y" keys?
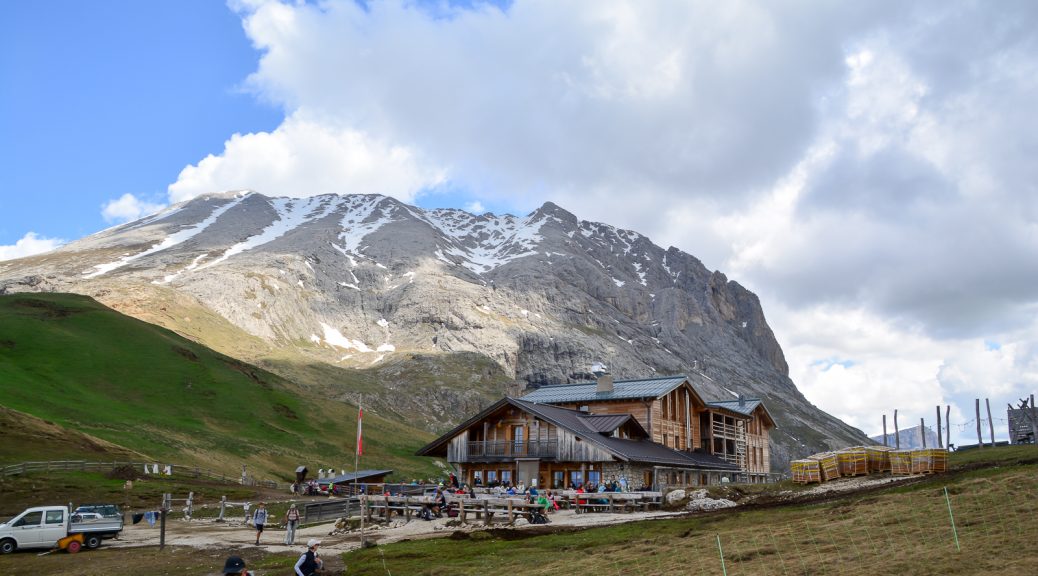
{"x": 991, "y": 421}
{"x": 897, "y": 433}
{"x": 940, "y": 430}
{"x": 980, "y": 439}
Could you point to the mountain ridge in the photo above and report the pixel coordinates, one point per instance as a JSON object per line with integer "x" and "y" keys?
{"x": 358, "y": 280}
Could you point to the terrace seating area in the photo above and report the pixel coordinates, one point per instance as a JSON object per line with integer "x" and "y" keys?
{"x": 488, "y": 507}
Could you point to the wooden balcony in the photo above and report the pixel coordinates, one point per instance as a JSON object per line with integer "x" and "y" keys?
{"x": 499, "y": 451}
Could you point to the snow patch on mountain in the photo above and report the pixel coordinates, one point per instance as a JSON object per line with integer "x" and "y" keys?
{"x": 169, "y": 242}
{"x": 291, "y": 212}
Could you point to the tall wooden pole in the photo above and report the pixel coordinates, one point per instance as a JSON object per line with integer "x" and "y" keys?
{"x": 885, "y": 443}
{"x": 897, "y": 434}
{"x": 940, "y": 430}
{"x": 922, "y": 432}
{"x": 947, "y": 426}
{"x": 980, "y": 439}
{"x": 991, "y": 421}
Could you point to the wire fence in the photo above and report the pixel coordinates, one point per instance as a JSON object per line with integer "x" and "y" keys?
{"x": 931, "y": 531}
{"x": 150, "y": 468}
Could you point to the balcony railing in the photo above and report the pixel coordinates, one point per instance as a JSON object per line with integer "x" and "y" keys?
{"x": 505, "y": 450}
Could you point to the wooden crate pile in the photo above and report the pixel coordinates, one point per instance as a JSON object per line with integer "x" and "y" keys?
{"x": 929, "y": 460}
{"x": 900, "y": 462}
{"x": 878, "y": 458}
{"x": 852, "y": 461}
{"x": 806, "y": 471}
{"x": 829, "y": 464}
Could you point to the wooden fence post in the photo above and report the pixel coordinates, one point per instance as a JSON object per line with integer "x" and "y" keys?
{"x": 980, "y": 439}
{"x": 897, "y": 433}
{"x": 991, "y": 421}
{"x": 940, "y": 430}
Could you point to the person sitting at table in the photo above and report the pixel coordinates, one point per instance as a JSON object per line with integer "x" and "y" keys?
{"x": 580, "y": 490}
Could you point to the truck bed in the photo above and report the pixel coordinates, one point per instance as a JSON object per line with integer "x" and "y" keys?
{"x": 107, "y": 525}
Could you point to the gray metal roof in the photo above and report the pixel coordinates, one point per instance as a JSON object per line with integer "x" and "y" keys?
{"x": 358, "y": 476}
{"x": 747, "y": 406}
{"x": 622, "y": 390}
{"x": 604, "y": 422}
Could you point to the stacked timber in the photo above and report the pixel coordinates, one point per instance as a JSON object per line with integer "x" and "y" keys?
{"x": 829, "y": 464}
{"x": 878, "y": 458}
{"x": 929, "y": 460}
{"x": 852, "y": 461}
{"x": 900, "y": 462}
{"x": 806, "y": 471}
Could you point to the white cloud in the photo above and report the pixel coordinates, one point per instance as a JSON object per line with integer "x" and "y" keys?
{"x": 866, "y": 168}
{"x": 475, "y": 207}
{"x": 128, "y": 207}
{"x": 29, "y": 245}
{"x": 304, "y": 157}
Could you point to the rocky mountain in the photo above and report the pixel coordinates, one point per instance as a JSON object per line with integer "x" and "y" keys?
{"x": 910, "y": 438}
{"x": 437, "y": 309}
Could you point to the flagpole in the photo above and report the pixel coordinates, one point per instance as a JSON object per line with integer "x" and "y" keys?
{"x": 356, "y": 464}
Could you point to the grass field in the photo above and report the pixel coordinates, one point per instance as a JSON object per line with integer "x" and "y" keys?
{"x": 125, "y": 386}
{"x": 905, "y": 530}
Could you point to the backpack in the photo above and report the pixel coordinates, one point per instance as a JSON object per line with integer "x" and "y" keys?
{"x": 425, "y": 514}
{"x": 538, "y": 518}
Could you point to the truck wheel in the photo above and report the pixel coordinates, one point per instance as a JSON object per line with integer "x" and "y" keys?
{"x": 7, "y": 546}
{"x": 73, "y": 547}
{"x": 92, "y": 541}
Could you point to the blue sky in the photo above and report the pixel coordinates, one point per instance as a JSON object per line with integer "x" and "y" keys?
{"x": 105, "y": 98}
{"x": 866, "y": 168}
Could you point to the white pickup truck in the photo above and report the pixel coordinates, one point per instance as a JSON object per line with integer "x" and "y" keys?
{"x": 43, "y": 526}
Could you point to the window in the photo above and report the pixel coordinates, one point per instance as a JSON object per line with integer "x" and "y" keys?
{"x": 518, "y": 433}
{"x": 491, "y": 476}
{"x": 594, "y": 477}
{"x": 30, "y": 519}
{"x": 576, "y": 478}
{"x": 558, "y": 479}
{"x": 506, "y": 476}
{"x": 477, "y": 477}
{"x": 55, "y": 516}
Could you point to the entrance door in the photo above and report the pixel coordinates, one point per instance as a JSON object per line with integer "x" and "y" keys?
{"x": 526, "y": 471}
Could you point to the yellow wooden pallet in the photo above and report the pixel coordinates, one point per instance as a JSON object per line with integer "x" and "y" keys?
{"x": 806, "y": 471}
{"x": 929, "y": 460}
{"x": 878, "y": 458}
{"x": 901, "y": 462}
{"x": 829, "y": 464}
{"x": 852, "y": 461}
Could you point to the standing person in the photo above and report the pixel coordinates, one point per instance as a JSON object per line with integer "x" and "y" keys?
{"x": 259, "y": 518}
{"x": 291, "y": 521}
{"x": 309, "y": 562}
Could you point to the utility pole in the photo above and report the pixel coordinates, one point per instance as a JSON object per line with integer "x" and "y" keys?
{"x": 922, "y": 432}
{"x": 885, "y": 430}
{"x": 947, "y": 424}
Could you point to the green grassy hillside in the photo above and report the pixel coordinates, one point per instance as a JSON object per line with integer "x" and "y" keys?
{"x": 72, "y": 362}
